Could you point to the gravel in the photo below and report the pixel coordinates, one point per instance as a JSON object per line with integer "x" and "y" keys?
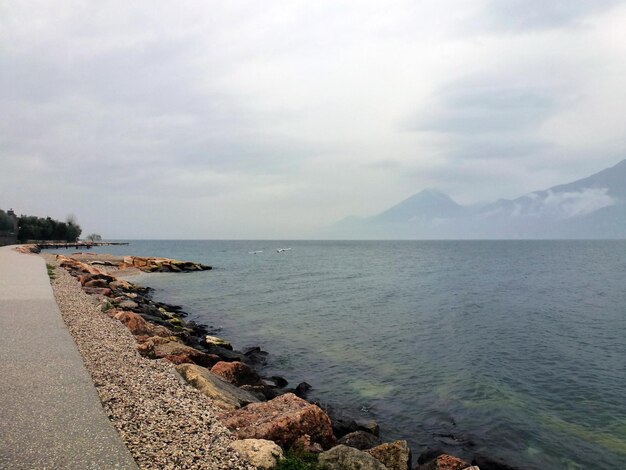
{"x": 165, "y": 423}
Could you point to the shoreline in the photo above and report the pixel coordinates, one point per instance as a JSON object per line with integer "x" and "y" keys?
{"x": 264, "y": 389}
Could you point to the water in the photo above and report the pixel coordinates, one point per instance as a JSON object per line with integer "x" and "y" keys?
{"x": 512, "y": 349}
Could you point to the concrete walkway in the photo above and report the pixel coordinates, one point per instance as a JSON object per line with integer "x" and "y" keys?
{"x": 50, "y": 414}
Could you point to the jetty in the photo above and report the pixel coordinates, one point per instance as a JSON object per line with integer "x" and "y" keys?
{"x": 76, "y": 245}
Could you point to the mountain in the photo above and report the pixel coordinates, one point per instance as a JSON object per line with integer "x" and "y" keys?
{"x": 426, "y": 205}
{"x": 592, "y": 207}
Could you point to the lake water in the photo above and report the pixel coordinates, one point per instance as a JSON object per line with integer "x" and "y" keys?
{"x": 512, "y": 349}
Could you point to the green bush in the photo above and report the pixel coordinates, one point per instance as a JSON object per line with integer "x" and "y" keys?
{"x": 51, "y": 274}
{"x": 300, "y": 461}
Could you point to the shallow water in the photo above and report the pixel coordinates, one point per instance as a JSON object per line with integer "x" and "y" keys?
{"x": 513, "y": 349}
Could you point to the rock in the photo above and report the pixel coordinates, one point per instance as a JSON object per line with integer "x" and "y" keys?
{"x": 304, "y": 445}
{"x": 368, "y": 425}
{"x": 282, "y": 420}
{"x": 302, "y": 389}
{"x": 97, "y": 291}
{"x": 256, "y": 355}
{"x": 102, "y": 263}
{"x": 236, "y": 373}
{"x": 121, "y": 284}
{"x": 226, "y": 396}
{"x": 138, "y": 326}
{"x": 279, "y": 381}
{"x": 181, "y": 358}
{"x": 344, "y": 424}
{"x": 394, "y": 455}
{"x": 160, "y": 264}
{"x": 215, "y": 341}
{"x": 260, "y": 453}
{"x": 227, "y": 354}
{"x": 348, "y": 458}
{"x": 174, "y": 348}
{"x": 128, "y": 304}
{"x": 360, "y": 440}
{"x": 96, "y": 283}
{"x": 445, "y": 462}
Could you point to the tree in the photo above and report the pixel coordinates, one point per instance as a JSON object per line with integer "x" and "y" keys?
{"x": 6, "y": 224}
{"x": 38, "y": 228}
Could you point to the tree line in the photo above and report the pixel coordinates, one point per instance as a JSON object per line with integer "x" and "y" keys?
{"x": 31, "y": 227}
{"x": 6, "y": 224}
{"x": 38, "y": 228}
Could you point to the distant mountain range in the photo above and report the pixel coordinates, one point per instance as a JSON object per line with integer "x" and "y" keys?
{"x": 593, "y": 207}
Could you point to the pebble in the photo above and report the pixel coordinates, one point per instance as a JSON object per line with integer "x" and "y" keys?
{"x": 165, "y": 423}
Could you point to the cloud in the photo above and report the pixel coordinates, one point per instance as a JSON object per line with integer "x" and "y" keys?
{"x": 537, "y": 15}
{"x": 488, "y": 109}
{"x": 564, "y": 205}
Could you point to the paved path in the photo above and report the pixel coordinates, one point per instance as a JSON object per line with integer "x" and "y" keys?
{"x": 50, "y": 414}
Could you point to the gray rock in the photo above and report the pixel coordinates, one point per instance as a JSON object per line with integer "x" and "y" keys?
{"x": 348, "y": 458}
{"x": 128, "y": 305}
{"x": 226, "y": 396}
{"x": 261, "y": 453}
{"x": 360, "y": 440}
{"x": 368, "y": 425}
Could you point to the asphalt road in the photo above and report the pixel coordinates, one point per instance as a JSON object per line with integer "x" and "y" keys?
{"x": 50, "y": 414}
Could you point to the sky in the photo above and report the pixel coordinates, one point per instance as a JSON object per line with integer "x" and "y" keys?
{"x": 273, "y": 119}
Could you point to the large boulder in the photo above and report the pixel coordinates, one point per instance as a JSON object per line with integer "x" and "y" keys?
{"x": 138, "y": 326}
{"x": 445, "y": 462}
{"x": 169, "y": 349}
{"x": 394, "y": 455}
{"x": 282, "y": 420}
{"x": 105, "y": 291}
{"x": 360, "y": 440}
{"x": 225, "y": 396}
{"x": 261, "y": 453}
{"x": 348, "y": 458}
{"x": 236, "y": 373}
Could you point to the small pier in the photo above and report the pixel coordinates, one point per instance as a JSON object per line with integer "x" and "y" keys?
{"x": 76, "y": 245}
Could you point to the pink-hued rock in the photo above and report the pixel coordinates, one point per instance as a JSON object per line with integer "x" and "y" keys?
{"x": 97, "y": 283}
{"x": 236, "y": 373}
{"x": 138, "y": 326}
{"x": 304, "y": 444}
{"x": 445, "y": 462}
{"x": 282, "y": 420}
{"x": 173, "y": 350}
{"x": 98, "y": 291}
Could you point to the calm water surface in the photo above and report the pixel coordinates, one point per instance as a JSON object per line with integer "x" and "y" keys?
{"x": 513, "y": 349}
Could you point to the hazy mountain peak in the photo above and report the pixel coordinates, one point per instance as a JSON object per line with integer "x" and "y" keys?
{"x": 427, "y": 204}
{"x": 591, "y": 207}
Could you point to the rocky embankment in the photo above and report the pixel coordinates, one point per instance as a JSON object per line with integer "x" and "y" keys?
{"x": 265, "y": 417}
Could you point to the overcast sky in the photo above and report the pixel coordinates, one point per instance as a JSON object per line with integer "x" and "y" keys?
{"x": 248, "y": 119}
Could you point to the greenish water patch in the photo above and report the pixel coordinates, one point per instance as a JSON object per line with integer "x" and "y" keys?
{"x": 370, "y": 389}
{"x": 609, "y": 441}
